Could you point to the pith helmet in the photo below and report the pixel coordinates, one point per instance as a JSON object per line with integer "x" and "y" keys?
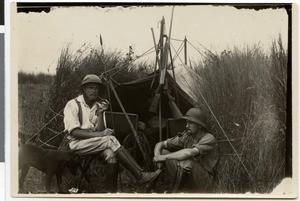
{"x": 91, "y": 78}
{"x": 195, "y": 115}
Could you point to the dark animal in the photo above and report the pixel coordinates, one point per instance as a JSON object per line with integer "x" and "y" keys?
{"x": 51, "y": 162}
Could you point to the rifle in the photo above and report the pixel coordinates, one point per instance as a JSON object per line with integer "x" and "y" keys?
{"x": 164, "y": 64}
{"x": 176, "y": 113}
{"x": 155, "y": 100}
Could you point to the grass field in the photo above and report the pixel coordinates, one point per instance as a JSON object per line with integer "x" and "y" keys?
{"x": 32, "y": 98}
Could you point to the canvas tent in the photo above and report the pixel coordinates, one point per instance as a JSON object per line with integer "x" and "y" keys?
{"x": 137, "y": 95}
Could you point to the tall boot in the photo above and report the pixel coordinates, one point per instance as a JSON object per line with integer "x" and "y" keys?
{"x": 142, "y": 177}
{"x": 111, "y": 179}
{"x": 180, "y": 180}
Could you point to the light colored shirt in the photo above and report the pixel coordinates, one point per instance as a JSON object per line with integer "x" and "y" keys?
{"x": 204, "y": 142}
{"x": 89, "y": 117}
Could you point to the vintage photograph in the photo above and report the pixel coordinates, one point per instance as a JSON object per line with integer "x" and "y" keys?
{"x": 155, "y": 100}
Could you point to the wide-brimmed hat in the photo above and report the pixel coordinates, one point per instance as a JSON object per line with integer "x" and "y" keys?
{"x": 91, "y": 78}
{"x": 197, "y": 116}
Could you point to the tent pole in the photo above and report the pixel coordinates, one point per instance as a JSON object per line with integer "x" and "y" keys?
{"x": 129, "y": 121}
{"x": 161, "y": 44}
{"x": 157, "y": 61}
{"x": 185, "y": 51}
{"x": 160, "y": 124}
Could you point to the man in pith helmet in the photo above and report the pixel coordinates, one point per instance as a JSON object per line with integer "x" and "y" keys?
{"x": 190, "y": 156}
{"x": 83, "y": 119}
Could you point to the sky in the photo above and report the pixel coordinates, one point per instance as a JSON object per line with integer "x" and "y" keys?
{"x": 39, "y": 37}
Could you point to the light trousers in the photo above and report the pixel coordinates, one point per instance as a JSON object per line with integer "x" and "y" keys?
{"x": 106, "y": 146}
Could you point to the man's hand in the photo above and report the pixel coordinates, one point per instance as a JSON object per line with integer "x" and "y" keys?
{"x": 159, "y": 158}
{"x": 158, "y": 161}
{"x": 108, "y": 131}
{"x": 104, "y": 106}
{"x": 159, "y": 165}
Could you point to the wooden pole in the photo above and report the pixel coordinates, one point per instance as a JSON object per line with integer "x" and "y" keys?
{"x": 160, "y": 123}
{"x": 164, "y": 62}
{"x": 157, "y": 62}
{"x": 161, "y": 44}
{"x": 161, "y": 41}
{"x": 127, "y": 118}
{"x": 185, "y": 51}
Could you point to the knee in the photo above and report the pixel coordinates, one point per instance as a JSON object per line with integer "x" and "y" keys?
{"x": 112, "y": 139}
{"x": 108, "y": 137}
{"x": 186, "y": 164}
{"x": 112, "y": 142}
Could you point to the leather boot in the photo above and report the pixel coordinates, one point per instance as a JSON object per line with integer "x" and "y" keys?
{"x": 111, "y": 179}
{"x": 180, "y": 180}
{"x": 142, "y": 177}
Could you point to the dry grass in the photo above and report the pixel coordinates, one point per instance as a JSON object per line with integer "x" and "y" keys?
{"x": 32, "y": 98}
{"x": 246, "y": 90}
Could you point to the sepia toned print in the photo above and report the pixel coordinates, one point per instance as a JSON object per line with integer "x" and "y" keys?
{"x": 152, "y": 100}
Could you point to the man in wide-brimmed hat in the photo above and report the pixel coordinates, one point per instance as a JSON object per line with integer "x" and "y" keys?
{"x": 189, "y": 157}
{"x": 83, "y": 119}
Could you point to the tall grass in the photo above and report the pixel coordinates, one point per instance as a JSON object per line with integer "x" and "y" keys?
{"x": 246, "y": 91}
{"x": 31, "y": 78}
{"x": 32, "y": 98}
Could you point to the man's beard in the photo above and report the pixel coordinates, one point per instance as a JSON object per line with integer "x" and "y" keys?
{"x": 189, "y": 132}
{"x": 91, "y": 99}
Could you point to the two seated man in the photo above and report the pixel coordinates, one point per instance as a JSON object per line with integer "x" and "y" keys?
{"x": 192, "y": 154}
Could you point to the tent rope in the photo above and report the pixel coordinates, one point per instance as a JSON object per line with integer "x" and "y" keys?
{"x": 178, "y": 55}
{"x": 123, "y": 66}
{"x": 50, "y": 139}
{"x": 195, "y": 48}
{"x": 48, "y": 145}
{"x": 44, "y": 125}
{"x": 173, "y": 72}
{"x": 226, "y": 136}
{"x": 147, "y": 52}
{"x": 177, "y": 52}
{"x": 177, "y": 39}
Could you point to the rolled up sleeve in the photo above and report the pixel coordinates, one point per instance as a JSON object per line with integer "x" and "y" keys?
{"x": 71, "y": 119}
{"x": 207, "y": 143}
{"x": 174, "y": 144}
